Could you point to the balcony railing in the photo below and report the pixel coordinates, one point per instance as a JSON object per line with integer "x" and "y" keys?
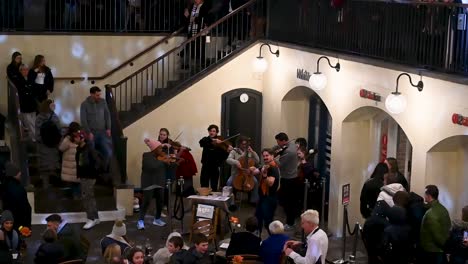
{"x": 425, "y": 35}
{"x": 92, "y": 15}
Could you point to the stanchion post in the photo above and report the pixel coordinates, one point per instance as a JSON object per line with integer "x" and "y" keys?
{"x": 169, "y": 210}
{"x": 343, "y": 250}
{"x": 181, "y": 183}
{"x": 352, "y": 257}
{"x": 322, "y": 213}
{"x": 304, "y": 205}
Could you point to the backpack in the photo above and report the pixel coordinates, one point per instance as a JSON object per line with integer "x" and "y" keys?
{"x": 50, "y": 133}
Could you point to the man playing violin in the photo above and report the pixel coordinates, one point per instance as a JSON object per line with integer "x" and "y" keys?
{"x": 269, "y": 184}
{"x": 215, "y": 152}
{"x": 290, "y": 196}
{"x": 236, "y": 159}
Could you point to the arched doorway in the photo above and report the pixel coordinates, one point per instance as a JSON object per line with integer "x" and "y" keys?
{"x": 304, "y": 114}
{"x": 447, "y": 168}
{"x": 369, "y": 136}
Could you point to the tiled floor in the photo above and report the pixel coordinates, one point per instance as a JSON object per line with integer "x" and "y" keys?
{"x": 157, "y": 236}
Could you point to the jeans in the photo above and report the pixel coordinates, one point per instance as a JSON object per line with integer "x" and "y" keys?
{"x": 209, "y": 176}
{"x": 265, "y": 212}
{"x": 253, "y": 192}
{"x": 89, "y": 201}
{"x": 158, "y": 195}
{"x": 103, "y": 144}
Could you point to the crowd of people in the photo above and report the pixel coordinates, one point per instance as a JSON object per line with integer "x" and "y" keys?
{"x": 403, "y": 227}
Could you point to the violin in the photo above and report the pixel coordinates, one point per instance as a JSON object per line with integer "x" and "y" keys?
{"x": 164, "y": 157}
{"x": 264, "y": 186}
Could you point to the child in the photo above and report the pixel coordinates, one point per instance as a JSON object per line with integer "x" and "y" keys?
{"x": 12, "y": 238}
{"x": 163, "y": 255}
{"x": 175, "y": 247}
{"x": 198, "y": 254}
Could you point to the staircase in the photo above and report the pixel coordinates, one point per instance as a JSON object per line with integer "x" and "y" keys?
{"x": 176, "y": 70}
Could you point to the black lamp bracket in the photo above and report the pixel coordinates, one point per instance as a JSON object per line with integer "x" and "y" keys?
{"x": 337, "y": 67}
{"x": 419, "y": 85}
{"x": 269, "y": 47}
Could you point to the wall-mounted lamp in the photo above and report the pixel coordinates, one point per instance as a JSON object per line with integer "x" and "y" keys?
{"x": 318, "y": 80}
{"x": 260, "y": 64}
{"x": 396, "y": 102}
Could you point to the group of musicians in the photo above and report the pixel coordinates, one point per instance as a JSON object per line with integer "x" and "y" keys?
{"x": 279, "y": 179}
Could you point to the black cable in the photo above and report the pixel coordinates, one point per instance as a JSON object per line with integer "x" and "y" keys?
{"x": 347, "y": 225}
{"x": 179, "y": 204}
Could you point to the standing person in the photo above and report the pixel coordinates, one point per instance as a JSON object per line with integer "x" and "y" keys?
{"x": 96, "y": 122}
{"x": 268, "y": 188}
{"x": 396, "y": 237}
{"x": 167, "y": 150}
{"x": 371, "y": 189}
{"x": 68, "y": 147}
{"x": 301, "y": 142}
{"x": 13, "y": 71}
{"x": 186, "y": 168}
{"x": 15, "y": 197}
{"x": 153, "y": 181}
{"x": 306, "y": 170}
{"x": 234, "y": 160}
{"x": 392, "y": 165}
{"x": 89, "y": 164}
{"x": 67, "y": 236}
{"x": 457, "y": 244}
{"x": 435, "y": 228}
{"x": 290, "y": 183}
{"x": 48, "y": 138}
{"x": 27, "y": 101}
{"x": 41, "y": 76}
{"x": 390, "y": 188}
{"x": 215, "y": 152}
{"x": 317, "y": 241}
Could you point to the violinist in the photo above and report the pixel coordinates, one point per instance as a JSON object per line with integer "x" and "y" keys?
{"x": 269, "y": 176}
{"x": 290, "y": 196}
{"x": 215, "y": 152}
{"x": 167, "y": 150}
{"x": 186, "y": 167}
{"x": 237, "y": 158}
{"x": 153, "y": 181}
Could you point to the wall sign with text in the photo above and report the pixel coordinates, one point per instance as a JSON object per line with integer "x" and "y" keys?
{"x": 346, "y": 194}
{"x": 370, "y": 95}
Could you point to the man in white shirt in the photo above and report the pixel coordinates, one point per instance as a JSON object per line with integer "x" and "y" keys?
{"x": 317, "y": 241}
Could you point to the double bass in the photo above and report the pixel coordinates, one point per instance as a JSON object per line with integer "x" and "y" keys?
{"x": 244, "y": 180}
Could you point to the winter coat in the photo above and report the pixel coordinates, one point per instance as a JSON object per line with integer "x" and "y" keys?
{"x": 5, "y": 254}
{"x": 272, "y": 248}
{"x": 89, "y": 162}
{"x": 41, "y": 90}
{"x": 187, "y": 167}
{"x": 68, "y": 160}
{"x": 373, "y": 229}
{"x": 15, "y": 199}
{"x": 369, "y": 194}
{"x": 27, "y": 95}
{"x": 95, "y": 116}
{"x": 69, "y": 238}
{"x": 396, "y": 238}
{"x": 13, "y": 72}
{"x": 110, "y": 239}
{"x": 416, "y": 211}
{"x": 388, "y": 191}
{"x": 153, "y": 172}
{"x": 244, "y": 243}
{"x": 13, "y": 240}
{"x": 50, "y": 253}
{"x": 178, "y": 257}
{"x": 49, "y": 158}
{"x": 195, "y": 257}
{"x": 458, "y": 252}
{"x": 435, "y": 228}
{"x": 402, "y": 180}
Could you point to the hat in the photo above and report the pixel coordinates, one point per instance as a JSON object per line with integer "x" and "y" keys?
{"x": 119, "y": 229}
{"x": 152, "y": 144}
{"x": 11, "y": 170}
{"x": 7, "y": 216}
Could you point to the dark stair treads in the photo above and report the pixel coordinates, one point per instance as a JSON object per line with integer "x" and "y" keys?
{"x": 60, "y": 200}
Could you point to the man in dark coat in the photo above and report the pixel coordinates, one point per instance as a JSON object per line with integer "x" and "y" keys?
{"x": 371, "y": 189}
{"x": 15, "y": 198}
{"x": 27, "y": 100}
{"x": 396, "y": 239}
{"x": 373, "y": 230}
{"x": 245, "y": 242}
{"x": 68, "y": 237}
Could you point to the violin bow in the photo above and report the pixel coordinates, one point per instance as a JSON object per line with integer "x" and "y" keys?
{"x": 180, "y": 134}
{"x": 236, "y": 135}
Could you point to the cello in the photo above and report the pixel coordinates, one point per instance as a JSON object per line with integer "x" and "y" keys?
{"x": 244, "y": 180}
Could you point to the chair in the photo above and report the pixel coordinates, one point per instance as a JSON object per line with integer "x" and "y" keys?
{"x": 247, "y": 259}
{"x": 207, "y": 228}
{"x": 75, "y": 261}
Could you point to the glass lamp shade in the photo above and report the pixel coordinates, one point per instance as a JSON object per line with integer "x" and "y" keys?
{"x": 260, "y": 65}
{"x": 395, "y": 103}
{"x": 318, "y": 81}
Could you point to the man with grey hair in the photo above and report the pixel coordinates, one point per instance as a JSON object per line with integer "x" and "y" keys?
{"x": 272, "y": 247}
{"x": 317, "y": 241}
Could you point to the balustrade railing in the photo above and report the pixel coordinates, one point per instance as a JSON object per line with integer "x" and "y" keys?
{"x": 420, "y": 34}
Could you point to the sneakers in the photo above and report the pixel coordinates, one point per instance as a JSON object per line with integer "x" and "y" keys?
{"x": 159, "y": 222}
{"x": 91, "y": 223}
{"x": 140, "y": 225}
{"x": 288, "y": 227}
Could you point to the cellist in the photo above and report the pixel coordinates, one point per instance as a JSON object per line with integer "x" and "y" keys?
{"x": 236, "y": 157}
{"x": 215, "y": 152}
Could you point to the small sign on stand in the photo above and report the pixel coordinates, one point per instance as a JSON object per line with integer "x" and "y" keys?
{"x": 345, "y": 194}
{"x": 205, "y": 211}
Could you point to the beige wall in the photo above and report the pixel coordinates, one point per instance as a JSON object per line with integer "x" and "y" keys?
{"x": 79, "y": 56}
{"x": 295, "y": 112}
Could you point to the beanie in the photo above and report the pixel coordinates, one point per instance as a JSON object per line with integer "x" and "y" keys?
{"x": 152, "y": 144}
{"x": 119, "y": 229}
{"x": 11, "y": 170}
{"x": 7, "y": 216}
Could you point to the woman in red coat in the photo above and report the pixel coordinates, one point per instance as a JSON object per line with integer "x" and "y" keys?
{"x": 186, "y": 168}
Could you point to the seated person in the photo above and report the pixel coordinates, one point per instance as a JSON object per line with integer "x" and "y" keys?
{"x": 12, "y": 238}
{"x": 68, "y": 236}
{"x": 163, "y": 255}
{"x": 175, "y": 247}
{"x": 136, "y": 256}
{"x": 245, "y": 242}
{"x": 5, "y": 254}
{"x": 112, "y": 254}
{"x": 50, "y": 252}
{"x": 117, "y": 236}
{"x": 271, "y": 248}
{"x": 198, "y": 254}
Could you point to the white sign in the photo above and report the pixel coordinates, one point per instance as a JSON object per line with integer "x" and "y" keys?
{"x": 205, "y": 211}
